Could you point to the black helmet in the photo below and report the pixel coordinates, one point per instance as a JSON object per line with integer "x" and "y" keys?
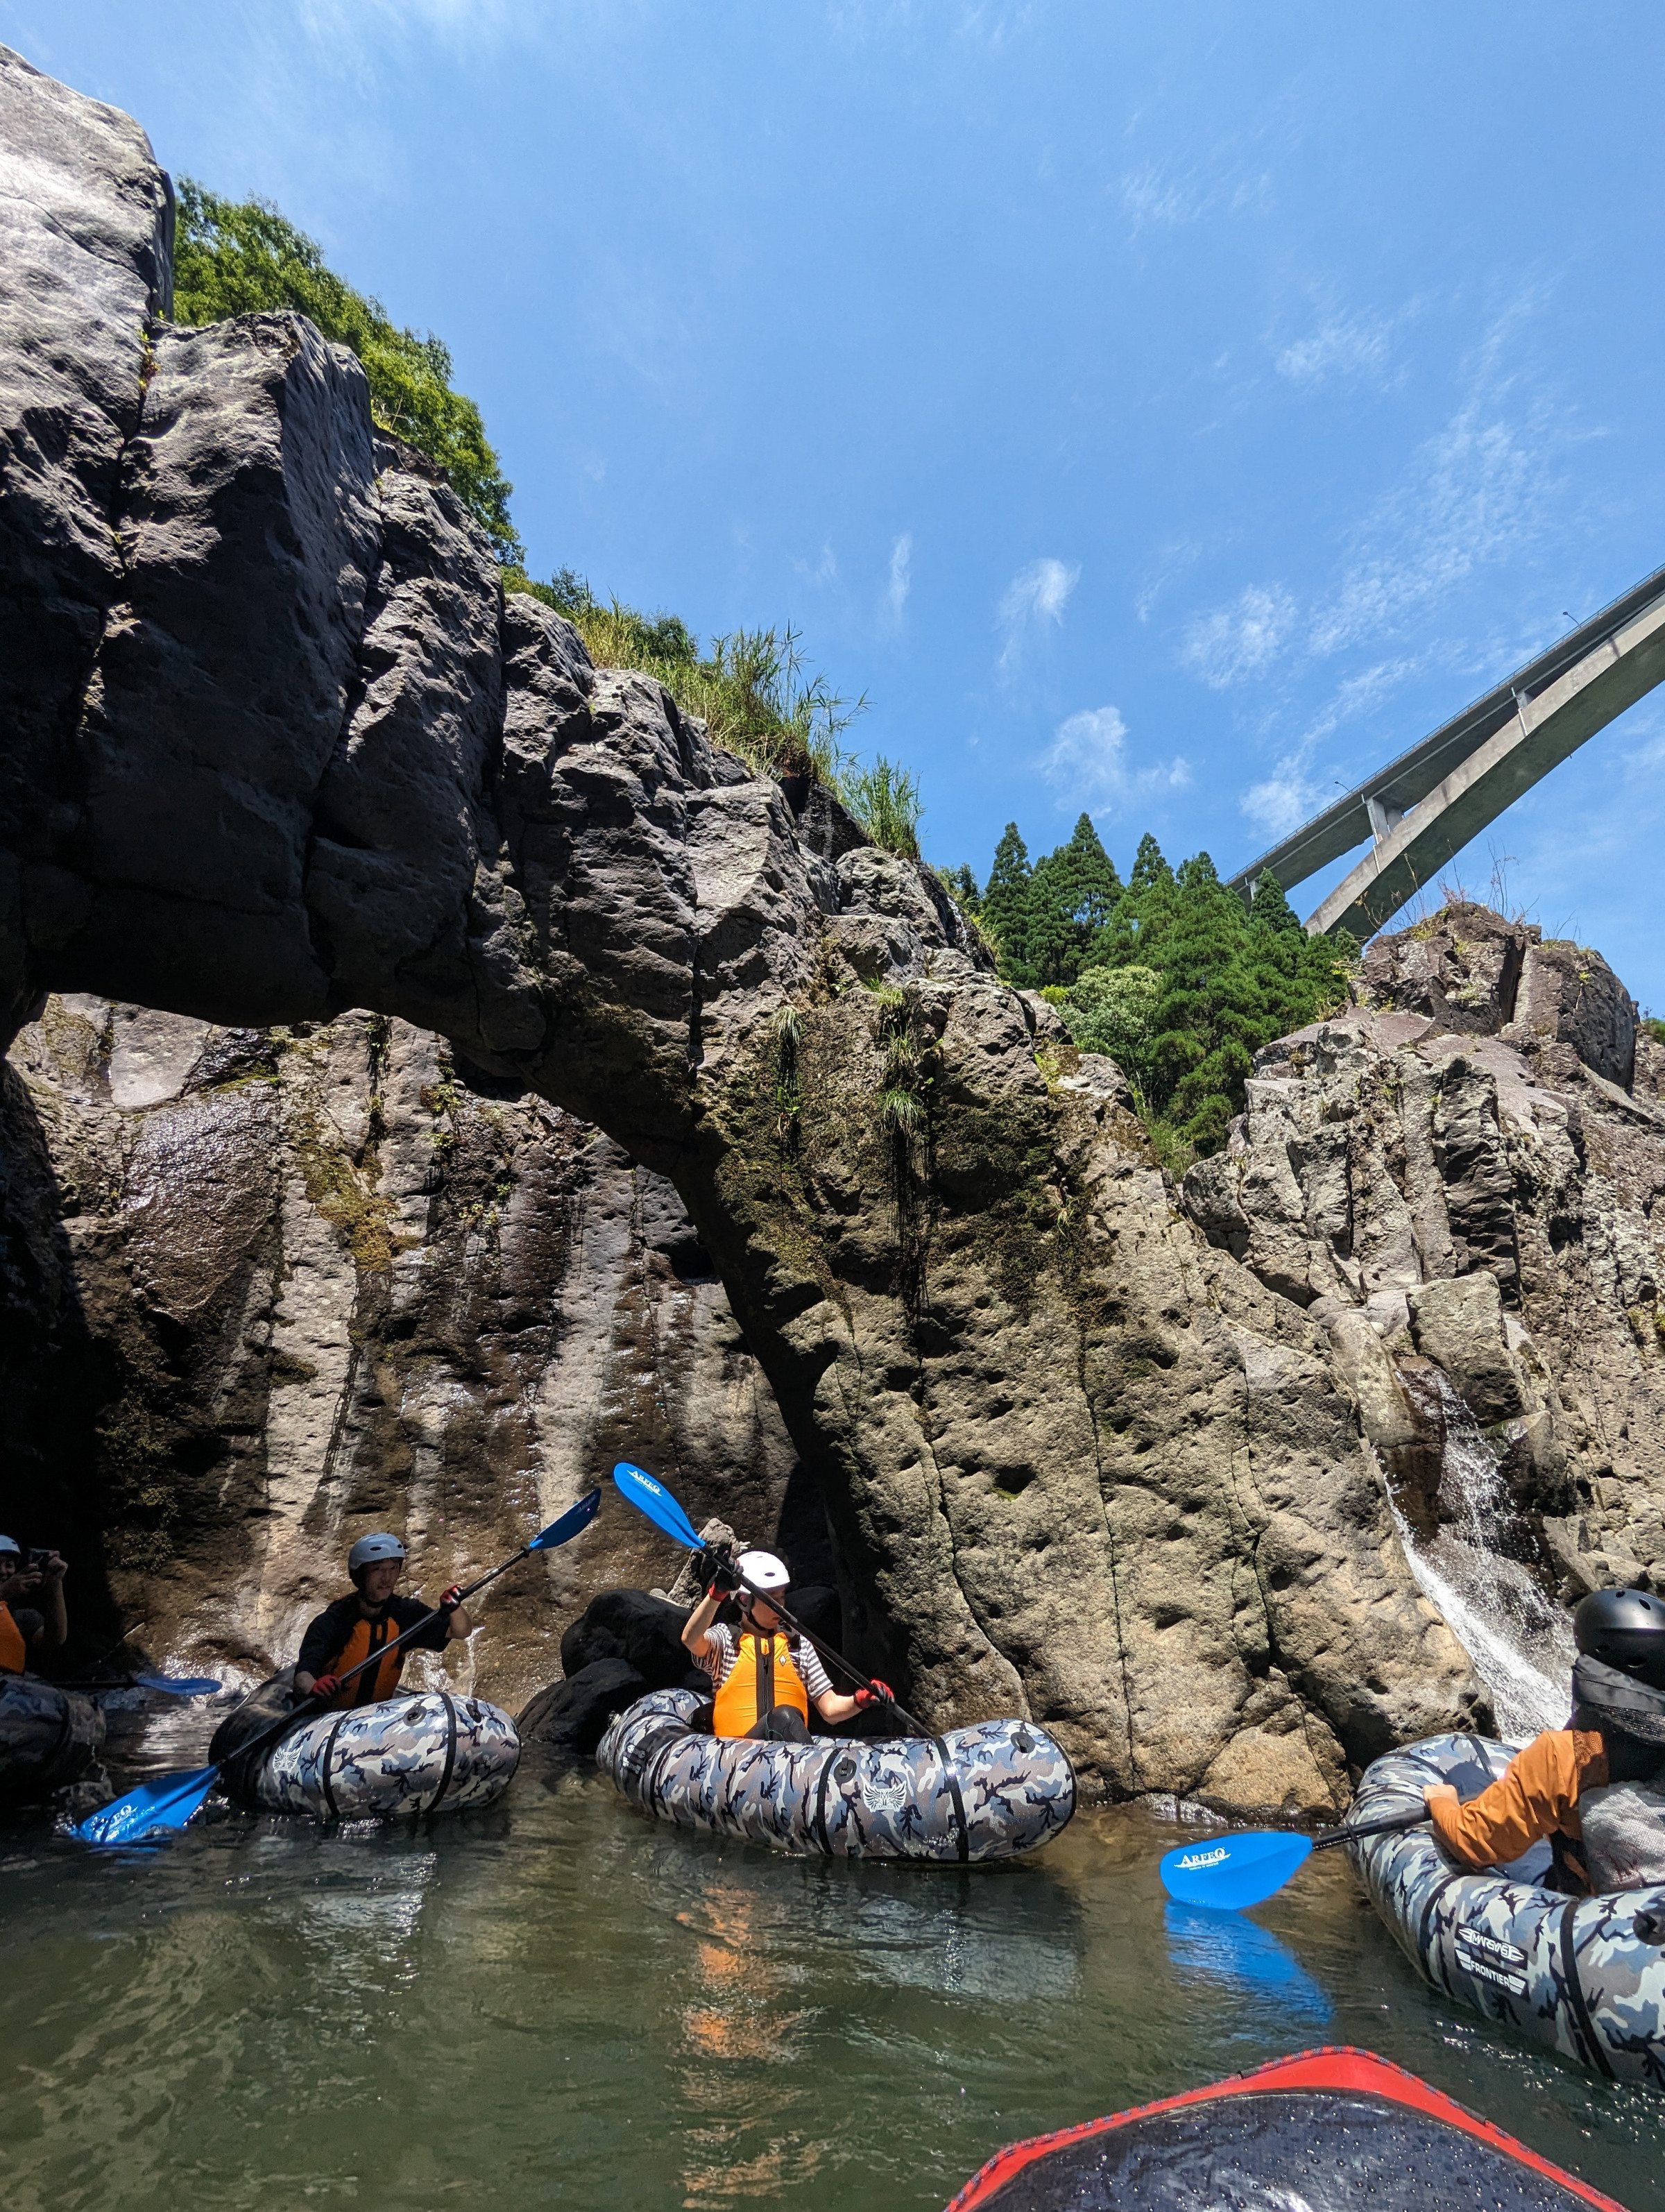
{"x": 1624, "y": 1629}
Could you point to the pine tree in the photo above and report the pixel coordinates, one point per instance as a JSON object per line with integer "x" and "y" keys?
{"x": 1135, "y": 928}
{"x": 1006, "y": 905}
{"x": 1271, "y": 909}
{"x": 1073, "y": 894}
{"x": 1210, "y": 1017}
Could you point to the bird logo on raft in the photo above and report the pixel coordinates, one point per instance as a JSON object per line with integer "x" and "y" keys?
{"x": 1193, "y": 1859}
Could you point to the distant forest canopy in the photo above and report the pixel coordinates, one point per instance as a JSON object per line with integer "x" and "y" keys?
{"x": 242, "y": 257}
{"x": 1170, "y": 973}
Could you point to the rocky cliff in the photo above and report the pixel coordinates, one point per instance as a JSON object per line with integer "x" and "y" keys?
{"x": 279, "y": 751}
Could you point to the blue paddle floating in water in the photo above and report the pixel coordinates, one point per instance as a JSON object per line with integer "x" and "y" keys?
{"x": 1230, "y": 1872}
{"x": 156, "y": 1808}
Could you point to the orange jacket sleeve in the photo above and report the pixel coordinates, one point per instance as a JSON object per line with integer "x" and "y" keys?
{"x": 1536, "y": 1795}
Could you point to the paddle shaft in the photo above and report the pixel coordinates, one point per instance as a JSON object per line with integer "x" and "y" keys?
{"x": 1394, "y": 1826}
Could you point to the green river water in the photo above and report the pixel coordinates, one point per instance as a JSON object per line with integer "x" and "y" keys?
{"x": 554, "y": 2003}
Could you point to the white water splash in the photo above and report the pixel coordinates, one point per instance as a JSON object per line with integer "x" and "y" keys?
{"x": 1519, "y": 1642}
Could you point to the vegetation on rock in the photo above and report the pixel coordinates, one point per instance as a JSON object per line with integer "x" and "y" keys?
{"x": 242, "y": 257}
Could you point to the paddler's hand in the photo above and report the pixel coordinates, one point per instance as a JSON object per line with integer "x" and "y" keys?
{"x": 877, "y": 1694}
{"x": 1440, "y": 1793}
{"x": 451, "y": 1599}
{"x": 720, "y": 1578}
{"x": 324, "y": 1686}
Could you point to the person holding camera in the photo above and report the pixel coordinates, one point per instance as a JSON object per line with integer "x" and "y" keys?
{"x": 32, "y": 1612}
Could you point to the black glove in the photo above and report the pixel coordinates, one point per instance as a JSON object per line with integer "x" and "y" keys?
{"x": 451, "y": 1599}
{"x": 718, "y": 1574}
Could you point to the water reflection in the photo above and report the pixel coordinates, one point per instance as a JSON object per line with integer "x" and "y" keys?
{"x": 1244, "y": 1962}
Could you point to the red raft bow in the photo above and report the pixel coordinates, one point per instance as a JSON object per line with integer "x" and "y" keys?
{"x": 1336, "y": 2130}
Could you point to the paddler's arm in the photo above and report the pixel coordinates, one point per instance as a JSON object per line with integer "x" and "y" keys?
{"x": 1534, "y": 1797}
{"x": 694, "y": 1628}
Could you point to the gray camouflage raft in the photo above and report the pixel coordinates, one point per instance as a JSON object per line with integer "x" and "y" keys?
{"x": 417, "y": 1752}
{"x": 1576, "y": 1974}
{"x": 991, "y": 1791}
{"x": 47, "y": 1737}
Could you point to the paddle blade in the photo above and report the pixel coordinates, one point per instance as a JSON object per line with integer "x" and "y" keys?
{"x": 151, "y": 1809}
{"x": 179, "y": 1685}
{"x": 1229, "y": 1872}
{"x": 654, "y": 1499}
{"x": 572, "y": 1523}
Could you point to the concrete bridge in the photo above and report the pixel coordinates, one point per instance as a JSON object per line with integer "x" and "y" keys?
{"x": 1426, "y": 806}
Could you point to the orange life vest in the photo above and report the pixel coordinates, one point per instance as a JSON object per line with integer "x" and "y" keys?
{"x": 376, "y": 1682}
{"x": 14, "y": 1652}
{"x": 763, "y": 1676}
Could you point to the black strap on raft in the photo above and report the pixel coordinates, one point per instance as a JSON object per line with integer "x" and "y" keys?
{"x": 1593, "y": 2053}
{"x": 450, "y": 1752}
{"x": 764, "y": 1648}
{"x": 1425, "y": 1929}
{"x": 959, "y": 1802}
{"x": 323, "y": 1782}
{"x": 818, "y": 1827}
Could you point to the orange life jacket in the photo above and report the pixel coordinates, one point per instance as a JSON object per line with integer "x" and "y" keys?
{"x": 14, "y": 1652}
{"x": 376, "y": 1682}
{"x": 763, "y": 1676}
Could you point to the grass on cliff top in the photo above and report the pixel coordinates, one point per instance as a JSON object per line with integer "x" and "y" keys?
{"x": 755, "y": 693}
{"x": 242, "y": 257}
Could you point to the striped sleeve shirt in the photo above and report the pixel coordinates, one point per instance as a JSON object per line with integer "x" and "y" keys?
{"x": 722, "y": 1651}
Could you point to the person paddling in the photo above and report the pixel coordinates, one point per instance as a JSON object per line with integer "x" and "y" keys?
{"x": 1595, "y": 1788}
{"x": 32, "y": 1617}
{"x": 356, "y": 1627}
{"x": 766, "y": 1679}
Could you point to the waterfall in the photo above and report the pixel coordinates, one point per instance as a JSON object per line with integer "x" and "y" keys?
{"x": 1520, "y": 1641}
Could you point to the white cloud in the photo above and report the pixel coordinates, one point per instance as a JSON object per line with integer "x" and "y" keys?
{"x": 1283, "y": 800}
{"x": 1240, "y": 640}
{"x": 1478, "y": 491}
{"x": 902, "y": 580}
{"x": 1086, "y": 765}
{"x": 1344, "y": 347}
{"x": 1036, "y": 596}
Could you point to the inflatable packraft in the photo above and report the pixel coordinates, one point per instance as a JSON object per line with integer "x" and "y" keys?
{"x": 419, "y": 1753}
{"x": 48, "y": 1736}
{"x": 1333, "y": 2130}
{"x": 990, "y": 1791}
{"x": 1584, "y": 1975}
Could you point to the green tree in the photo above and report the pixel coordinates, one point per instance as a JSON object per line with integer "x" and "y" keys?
{"x": 1006, "y": 905}
{"x": 1073, "y": 894}
{"x": 238, "y": 257}
{"x": 1110, "y": 1011}
{"x": 1210, "y": 1017}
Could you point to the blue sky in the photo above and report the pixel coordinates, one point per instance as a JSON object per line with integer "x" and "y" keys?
{"x": 1171, "y": 411}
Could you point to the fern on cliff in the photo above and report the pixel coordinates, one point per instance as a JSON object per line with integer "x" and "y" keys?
{"x": 242, "y": 257}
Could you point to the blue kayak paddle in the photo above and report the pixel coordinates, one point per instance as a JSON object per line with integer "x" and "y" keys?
{"x": 653, "y": 1499}
{"x": 1231, "y": 1871}
{"x": 174, "y": 1686}
{"x": 168, "y": 1802}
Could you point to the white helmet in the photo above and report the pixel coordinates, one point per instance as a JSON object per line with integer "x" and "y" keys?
{"x": 370, "y": 1548}
{"x": 762, "y": 1571}
{"x": 10, "y": 1543}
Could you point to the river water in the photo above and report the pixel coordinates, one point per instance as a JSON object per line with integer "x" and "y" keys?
{"x": 554, "y": 2003}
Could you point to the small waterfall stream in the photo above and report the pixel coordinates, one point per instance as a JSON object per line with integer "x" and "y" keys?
{"x": 1521, "y": 1642}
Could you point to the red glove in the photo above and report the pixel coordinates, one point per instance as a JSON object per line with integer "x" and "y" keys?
{"x": 878, "y": 1693}
{"x": 451, "y": 1599}
{"x": 324, "y": 1686}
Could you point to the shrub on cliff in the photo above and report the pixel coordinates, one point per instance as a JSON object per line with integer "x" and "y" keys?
{"x": 242, "y": 257}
